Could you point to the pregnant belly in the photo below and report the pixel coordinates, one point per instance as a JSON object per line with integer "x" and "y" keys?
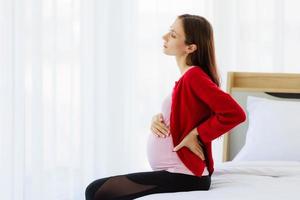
{"x": 160, "y": 154}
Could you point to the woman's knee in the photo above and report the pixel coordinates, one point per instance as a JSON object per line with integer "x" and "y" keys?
{"x": 90, "y": 191}
{"x": 92, "y": 188}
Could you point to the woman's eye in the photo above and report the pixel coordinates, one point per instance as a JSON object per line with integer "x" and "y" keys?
{"x": 172, "y": 34}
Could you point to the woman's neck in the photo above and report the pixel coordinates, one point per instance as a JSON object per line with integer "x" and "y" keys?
{"x": 181, "y": 63}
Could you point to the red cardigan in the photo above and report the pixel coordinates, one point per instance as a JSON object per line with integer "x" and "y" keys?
{"x": 199, "y": 102}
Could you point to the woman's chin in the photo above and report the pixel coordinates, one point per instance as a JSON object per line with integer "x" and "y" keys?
{"x": 166, "y": 52}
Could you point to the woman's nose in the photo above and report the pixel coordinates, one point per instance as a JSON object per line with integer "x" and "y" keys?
{"x": 165, "y": 36}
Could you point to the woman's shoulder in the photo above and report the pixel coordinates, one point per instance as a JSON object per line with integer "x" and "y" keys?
{"x": 195, "y": 73}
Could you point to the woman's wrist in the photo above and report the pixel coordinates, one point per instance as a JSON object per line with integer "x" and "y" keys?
{"x": 194, "y": 131}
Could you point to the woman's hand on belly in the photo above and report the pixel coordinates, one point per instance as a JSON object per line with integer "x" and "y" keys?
{"x": 191, "y": 141}
{"x": 158, "y": 126}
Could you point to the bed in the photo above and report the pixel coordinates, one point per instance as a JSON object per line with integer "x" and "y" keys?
{"x": 261, "y": 157}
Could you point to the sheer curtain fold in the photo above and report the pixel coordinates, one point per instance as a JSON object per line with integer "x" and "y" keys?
{"x": 81, "y": 79}
{"x": 66, "y": 82}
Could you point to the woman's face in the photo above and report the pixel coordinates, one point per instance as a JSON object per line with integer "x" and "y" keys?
{"x": 174, "y": 40}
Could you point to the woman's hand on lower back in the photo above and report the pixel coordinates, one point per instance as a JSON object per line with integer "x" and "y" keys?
{"x": 191, "y": 141}
{"x": 158, "y": 126}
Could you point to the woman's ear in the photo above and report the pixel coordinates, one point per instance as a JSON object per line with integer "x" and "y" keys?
{"x": 192, "y": 48}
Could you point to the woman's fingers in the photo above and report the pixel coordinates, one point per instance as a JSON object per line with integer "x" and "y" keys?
{"x": 159, "y": 131}
{"x": 197, "y": 149}
{"x": 199, "y": 152}
{"x": 158, "y": 126}
{"x": 156, "y": 132}
{"x": 162, "y": 127}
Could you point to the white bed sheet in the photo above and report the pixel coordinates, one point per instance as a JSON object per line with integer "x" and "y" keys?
{"x": 246, "y": 180}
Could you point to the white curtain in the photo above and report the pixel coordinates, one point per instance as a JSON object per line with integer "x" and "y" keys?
{"x": 81, "y": 79}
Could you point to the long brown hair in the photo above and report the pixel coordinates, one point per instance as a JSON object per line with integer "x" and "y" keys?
{"x": 199, "y": 31}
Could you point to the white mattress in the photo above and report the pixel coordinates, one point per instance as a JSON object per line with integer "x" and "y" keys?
{"x": 246, "y": 180}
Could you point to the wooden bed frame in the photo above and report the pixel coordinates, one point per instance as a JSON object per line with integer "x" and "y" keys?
{"x": 280, "y": 85}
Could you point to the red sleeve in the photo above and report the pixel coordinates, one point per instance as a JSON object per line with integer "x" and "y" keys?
{"x": 227, "y": 113}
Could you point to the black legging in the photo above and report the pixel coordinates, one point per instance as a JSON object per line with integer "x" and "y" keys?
{"x": 134, "y": 185}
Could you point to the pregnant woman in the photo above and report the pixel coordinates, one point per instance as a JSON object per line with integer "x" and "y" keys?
{"x": 195, "y": 113}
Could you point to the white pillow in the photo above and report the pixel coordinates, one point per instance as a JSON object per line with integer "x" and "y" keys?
{"x": 273, "y": 132}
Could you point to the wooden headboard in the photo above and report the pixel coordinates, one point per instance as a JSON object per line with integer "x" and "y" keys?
{"x": 277, "y": 86}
